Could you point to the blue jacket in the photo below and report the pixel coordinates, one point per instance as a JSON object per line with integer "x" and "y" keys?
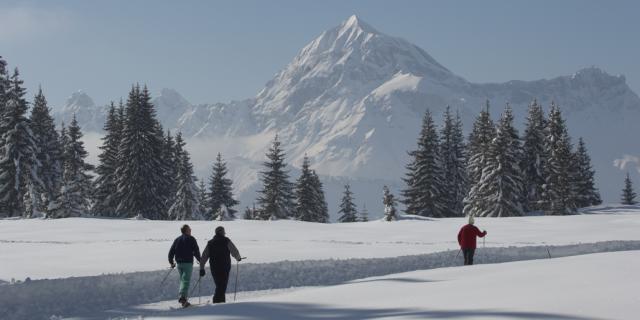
{"x": 184, "y": 248}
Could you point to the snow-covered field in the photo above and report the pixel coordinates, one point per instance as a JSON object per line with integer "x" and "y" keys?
{"x": 82, "y": 247}
{"x": 284, "y": 254}
{"x": 595, "y": 286}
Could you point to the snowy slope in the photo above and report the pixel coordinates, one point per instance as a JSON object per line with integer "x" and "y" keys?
{"x": 98, "y": 246}
{"x": 604, "y": 288}
{"x": 353, "y": 98}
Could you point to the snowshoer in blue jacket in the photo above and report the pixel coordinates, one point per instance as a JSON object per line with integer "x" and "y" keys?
{"x": 184, "y": 248}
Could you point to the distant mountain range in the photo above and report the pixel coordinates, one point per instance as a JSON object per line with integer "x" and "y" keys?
{"x": 353, "y": 99}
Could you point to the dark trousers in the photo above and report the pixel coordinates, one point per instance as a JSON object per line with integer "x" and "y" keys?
{"x": 221, "y": 279}
{"x": 468, "y": 256}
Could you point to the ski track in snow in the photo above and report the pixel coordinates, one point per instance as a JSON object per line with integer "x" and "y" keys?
{"x": 59, "y": 297}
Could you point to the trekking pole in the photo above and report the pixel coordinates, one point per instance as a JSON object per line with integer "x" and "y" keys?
{"x": 456, "y": 257}
{"x": 235, "y": 289}
{"x": 194, "y": 288}
{"x": 484, "y": 251}
{"x": 165, "y": 277}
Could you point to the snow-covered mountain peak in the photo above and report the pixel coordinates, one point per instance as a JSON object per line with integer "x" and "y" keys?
{"x": 355, "y": 42}
{"x": 596, "y": 75}
{"x": 342, "y": 66}
{"x": 78, "y": 101}
{"x": 356, "y": 25}
{"x": 172, "y": 97}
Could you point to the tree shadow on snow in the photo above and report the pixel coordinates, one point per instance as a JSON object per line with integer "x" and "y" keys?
{"x": 300, "y": 311}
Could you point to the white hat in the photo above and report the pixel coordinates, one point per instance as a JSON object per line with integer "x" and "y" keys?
{"x": 471, "y": 220}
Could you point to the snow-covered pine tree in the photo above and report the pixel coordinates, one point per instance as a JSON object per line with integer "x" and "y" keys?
{"x": 628, "y": 194}
{"x": 452, "y": 152}
{"x": 276, "y": 197}
{"x": 106, "y": 182}
{"x": 186, "y": 206}
{"x": 305, "y": 199}
{"x": 18, "y": 150}
{"x": 347, "y": 207}
{"x": 248, "y": 214}
{"x": 168, "y": 182}
{"x": 5, "y": 84}
{"x": 222, "y": 214}
{"x": 423, "y": 195}
{"x": 500, "y": 186}
{"x": 389, "y": 202}
{"x": 203, "y": 199}
{"x": 533, "y": 158}
{"x": 483, "y": 132}
{"x": 140, "y": 167}
{"x": 170, "y": 163}
{"x": 320, "y": 203}
{"x": 251, "y": 213}
{"x": 364, "y": 213}
{"x": 221, "y": 189}
{"x": 74, "y": 198}
{"x": 558, "y": 198}
{"x": 49, "y": 154}
{"x": 584, "y": 181}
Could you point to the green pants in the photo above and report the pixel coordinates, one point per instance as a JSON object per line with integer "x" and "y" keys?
{"x": 184, "y": 270}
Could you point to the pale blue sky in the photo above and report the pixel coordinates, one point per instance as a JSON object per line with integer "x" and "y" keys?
{"x": 214, "y": 51}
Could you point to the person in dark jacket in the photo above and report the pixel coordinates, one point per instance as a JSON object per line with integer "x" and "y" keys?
{"x": 467, "y": 240}
{"x": 184, "y": 248}
{"x": 218, "y": 252}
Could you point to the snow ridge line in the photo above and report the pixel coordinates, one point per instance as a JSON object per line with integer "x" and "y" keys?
{"x": 41, "y": 299}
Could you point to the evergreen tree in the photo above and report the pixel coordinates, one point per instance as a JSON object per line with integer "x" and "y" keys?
{"x": 533, "y": 158}
{"x": 423, "y": 195}
{"x": 347, "y": 207}
{"x": 557, "y": 195}
{"x": 18, "y": 150}
{"x": 389, "y": 202}
{"x": 49, "y": 154}
{"x": 186, "y": 206}
{"x": 221, "y": 189}
{"x": 222, "y": 214}
{"x": 251, "y": 213}
{"x": 584, "y": 184}
{"x": 628, "y": 194}
{"x": 320, "y": 203}
{"x": 140, "y": 167}
{"x": 310, "y": 202}
{"x": 5, "y": 85}
{"x": 452, "y": 151}
{"x": 500, "y": 186}
{"x": 74, "y": 198}
{"x": 480, "y": 139}
{"x": 170, "y": 163}
{"x": 305, "y": 205}
{"x": 106, "y": 183}
{"x": 64, "y": 140}
{"x": 364, "y": 213}
{"x": 203, "y": 199}
{"x": 276, "y": 197}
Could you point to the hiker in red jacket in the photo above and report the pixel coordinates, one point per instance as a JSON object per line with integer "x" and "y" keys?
{"x": 467, "y": 240}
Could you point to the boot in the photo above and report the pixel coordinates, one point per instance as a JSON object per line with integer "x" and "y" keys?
{"x": 183, "y": 301}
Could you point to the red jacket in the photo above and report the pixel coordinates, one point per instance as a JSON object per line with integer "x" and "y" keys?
{"x": 467, "y": 236}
